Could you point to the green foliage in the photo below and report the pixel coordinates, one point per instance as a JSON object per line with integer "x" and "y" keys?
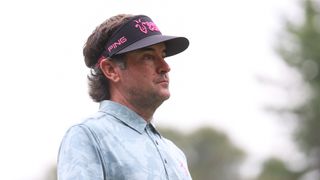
{"x": 52, "y": 173}
{"x": 300, "y": 48}
{"x": 210, "y": 153}
{"x": 275, "y": 169}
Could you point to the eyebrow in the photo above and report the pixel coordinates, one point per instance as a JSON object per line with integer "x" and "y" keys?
{"x": 149, "y": 48}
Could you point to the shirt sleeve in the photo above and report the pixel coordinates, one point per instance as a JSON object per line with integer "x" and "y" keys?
{"x": 79, "y": 157}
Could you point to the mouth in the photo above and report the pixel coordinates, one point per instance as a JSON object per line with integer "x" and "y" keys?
{"x": 164, "y": 81}
{"x": 160, "y": 81}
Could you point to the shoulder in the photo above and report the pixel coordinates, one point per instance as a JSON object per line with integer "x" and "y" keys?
{"x": 78, "y": 149}
{"x": 87, "y": 130}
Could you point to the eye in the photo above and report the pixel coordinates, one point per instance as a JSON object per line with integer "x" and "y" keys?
{"x": 164, "y": 54}
{"x": 148, "y": 57}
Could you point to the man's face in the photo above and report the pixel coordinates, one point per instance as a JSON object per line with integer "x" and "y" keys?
{"x": 145, "y": 80}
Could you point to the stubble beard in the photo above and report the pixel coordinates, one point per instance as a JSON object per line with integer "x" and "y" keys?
{"x": 148, "y": 101}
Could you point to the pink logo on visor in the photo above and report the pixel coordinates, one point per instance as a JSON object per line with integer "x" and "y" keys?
{"x": 135, "y": 29}
{"x": 145, "y": 26}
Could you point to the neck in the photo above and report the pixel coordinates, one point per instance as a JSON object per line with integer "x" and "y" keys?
{"x": 143, "y": 104}
{"x": 144, "y": 110}
{"x": 145, "y": 113}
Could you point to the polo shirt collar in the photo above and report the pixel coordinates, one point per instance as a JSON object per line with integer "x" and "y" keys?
{"x": 124, "y": 114}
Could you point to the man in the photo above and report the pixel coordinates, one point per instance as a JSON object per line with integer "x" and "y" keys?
{"x": 129, "y": 78}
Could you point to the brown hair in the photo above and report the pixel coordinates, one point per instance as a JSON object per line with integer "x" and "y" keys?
{"x": 93, "y": 48}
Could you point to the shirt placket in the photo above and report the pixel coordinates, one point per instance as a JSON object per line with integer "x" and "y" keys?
{"x": 157, "y": 142}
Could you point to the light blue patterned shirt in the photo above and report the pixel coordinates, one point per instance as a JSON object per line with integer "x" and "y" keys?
{"x": 118, "y": 144}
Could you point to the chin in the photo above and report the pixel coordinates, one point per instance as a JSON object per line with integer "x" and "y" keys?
{"x": 165, "y": 93}
{"x": 165, "y": 97}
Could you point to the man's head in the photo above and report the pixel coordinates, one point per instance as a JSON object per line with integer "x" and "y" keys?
{"x": 144, "y": 82}
{"x": 92, "y": 51}
{"x": 121, "y": 43}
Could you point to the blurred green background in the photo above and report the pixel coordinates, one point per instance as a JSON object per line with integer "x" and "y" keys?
{"x": 211, "y": 154}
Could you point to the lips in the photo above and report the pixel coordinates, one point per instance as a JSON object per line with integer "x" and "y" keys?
{"x": 163, "y": 81}
{"x": 163, "y": 78}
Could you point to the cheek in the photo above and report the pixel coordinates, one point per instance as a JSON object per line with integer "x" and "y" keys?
{"x": 143, "y": 73}
{"x": 150, "y": 76}
{"x": 146, "y": 73}
{"x": 137, "y": 77}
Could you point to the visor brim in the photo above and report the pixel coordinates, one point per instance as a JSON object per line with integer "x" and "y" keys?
{"x": 174, "y": 45}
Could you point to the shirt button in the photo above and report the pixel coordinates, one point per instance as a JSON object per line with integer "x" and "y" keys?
{"x": 157, "y": 142}
{"x": 165, "y": 161}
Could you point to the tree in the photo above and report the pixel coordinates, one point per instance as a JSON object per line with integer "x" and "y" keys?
{"x": 300, "y": 48}
{"x": 211, "y": 155}
{"x": 51, "y": 174}
{"x": 275, "y": 169}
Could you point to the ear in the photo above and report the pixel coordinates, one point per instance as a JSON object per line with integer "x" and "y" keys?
{"x": 110, "y": 69}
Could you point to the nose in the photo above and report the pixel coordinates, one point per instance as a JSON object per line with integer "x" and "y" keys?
{"x": 163, "y": 66}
